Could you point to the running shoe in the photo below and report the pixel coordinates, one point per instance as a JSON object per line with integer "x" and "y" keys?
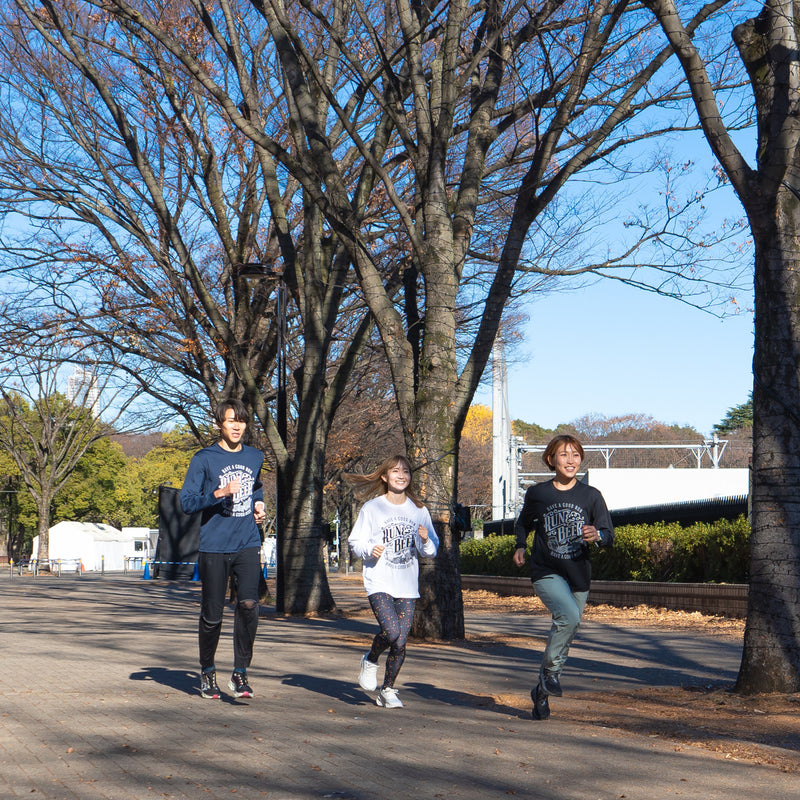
{"x": 368, "y": 675}
{"x": 208, "y": 685}
{"x": 551, "y": 684}
{"x": 388, "y": 698}
{"x": 541, "y": 705}
{"x": 239, "y": 686}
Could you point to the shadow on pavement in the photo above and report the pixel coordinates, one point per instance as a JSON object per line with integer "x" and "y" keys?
{"x": 178, "y": 679}
{"x": 329, "y": 687}
{"x": 185, "y": 682}
{"x": 453, "y": 697}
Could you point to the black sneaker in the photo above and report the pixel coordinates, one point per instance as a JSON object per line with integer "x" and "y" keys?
{"x": 551, "y": 684}
{"x": 541, "y": 706}
{"x": 208, "y": 685}
{"x": 239, "y": 686}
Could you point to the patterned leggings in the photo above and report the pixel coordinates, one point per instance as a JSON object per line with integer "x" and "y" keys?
{"x": 394, "y": 615}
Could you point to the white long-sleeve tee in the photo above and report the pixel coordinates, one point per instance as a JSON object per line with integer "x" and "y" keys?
{"x": 396, "y": 527}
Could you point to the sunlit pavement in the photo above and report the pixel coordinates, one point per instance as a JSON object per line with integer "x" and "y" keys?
{"x": 98, "y": 699}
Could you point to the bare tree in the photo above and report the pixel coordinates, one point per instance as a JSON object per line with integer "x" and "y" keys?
{"x": 428, "y": 147}
{"x": 491, "y": 109}
{"x": 137, "y": 202}
{"x": 770, "y": 193}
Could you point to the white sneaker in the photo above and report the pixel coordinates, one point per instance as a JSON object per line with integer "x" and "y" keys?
{"x": 368, "y": 675}
{"x": 388, "y": 698}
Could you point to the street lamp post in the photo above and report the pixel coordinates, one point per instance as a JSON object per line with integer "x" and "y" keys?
{"x": 254, "y": 270}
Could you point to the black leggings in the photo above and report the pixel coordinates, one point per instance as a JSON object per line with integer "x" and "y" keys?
{"x": 215, "y": 570}
{"x": 394, "y": 615}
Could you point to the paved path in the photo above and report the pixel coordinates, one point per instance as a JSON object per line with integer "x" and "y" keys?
{"x": 98, "y": 699}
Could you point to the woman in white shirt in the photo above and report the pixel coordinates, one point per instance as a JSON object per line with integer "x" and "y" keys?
{"x": 391, "y": 530}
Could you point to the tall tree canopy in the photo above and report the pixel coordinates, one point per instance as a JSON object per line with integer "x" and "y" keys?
{"x": 413, "y": 157}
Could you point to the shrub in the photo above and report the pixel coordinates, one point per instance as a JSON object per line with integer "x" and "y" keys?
{"x": 491, "y": 556}
{"x": 717, "y": 552}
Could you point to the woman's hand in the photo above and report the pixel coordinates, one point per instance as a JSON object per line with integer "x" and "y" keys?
{"x": 423, "y": 533}
{"x": 519, "y": 556}
{"x": 377, "y": 551}
{"x": 590, "y": 534}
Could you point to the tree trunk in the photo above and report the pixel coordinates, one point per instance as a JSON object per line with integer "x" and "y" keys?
{"x": 305, "y": 578}
{"x": 304, "y": 587}
{"x": 440, "y": 611}
{"x": 768, "y": 46}
{"x": 771, "y": 657}
{"x": 43, "y": 532}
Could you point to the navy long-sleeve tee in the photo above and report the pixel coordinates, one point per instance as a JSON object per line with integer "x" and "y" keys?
{"x": 227, "y": 524}
{"x": 557, "y": 518}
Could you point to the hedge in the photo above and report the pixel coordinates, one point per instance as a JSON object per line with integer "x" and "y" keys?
{"x": 716, "y": 552}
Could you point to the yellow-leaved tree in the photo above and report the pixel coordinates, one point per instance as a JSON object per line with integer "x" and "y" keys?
{"x": 475, "y": 462}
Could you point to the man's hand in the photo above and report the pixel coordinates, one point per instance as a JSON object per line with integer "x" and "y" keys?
{"x": 519, "y": 556}
{"x": 234, "y": 487}
{"x": 259, "y": 514}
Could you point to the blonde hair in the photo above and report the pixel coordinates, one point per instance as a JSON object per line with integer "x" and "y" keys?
{"x": 373, "y": 484}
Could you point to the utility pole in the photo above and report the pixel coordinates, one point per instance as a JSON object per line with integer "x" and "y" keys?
{"x": 504, "y": 490}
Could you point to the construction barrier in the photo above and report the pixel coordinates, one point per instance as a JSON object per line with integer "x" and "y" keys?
{"x": 134, "y": 563}
{"x": 57, "y": 566}
{"x": 149, "y": 568}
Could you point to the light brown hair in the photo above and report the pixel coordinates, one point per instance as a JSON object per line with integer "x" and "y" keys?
{"x": 365, "y": 487}
{"x": 557, "y": 442}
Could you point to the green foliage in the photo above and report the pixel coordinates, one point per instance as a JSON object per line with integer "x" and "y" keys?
{"x": 716, "y": 552}
{"x": 136, "y": 493}
{"x": 530, "y": 431}
{"x": 18, "y": 515}
{"x": 491, "y": 556}
{"x": 104, "y": 486}
{"x": 88, "y": 495}
{"x": 738, "y": 417}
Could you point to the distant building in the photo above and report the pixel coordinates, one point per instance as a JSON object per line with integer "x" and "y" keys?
{"x": 632, "y": 488}
{"x": 82, "y": 389}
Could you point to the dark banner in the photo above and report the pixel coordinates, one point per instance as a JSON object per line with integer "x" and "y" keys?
{"x": 178, "y": 538}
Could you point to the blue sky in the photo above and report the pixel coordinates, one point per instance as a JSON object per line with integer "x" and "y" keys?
{"x": 612, "y": 349}
{"x": 628, "y": 351}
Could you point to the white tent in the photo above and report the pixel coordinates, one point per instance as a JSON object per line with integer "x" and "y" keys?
{"x": 95, "y": 545}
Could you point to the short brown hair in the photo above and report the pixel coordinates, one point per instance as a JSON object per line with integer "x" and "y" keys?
{"x": 559, "y": 441}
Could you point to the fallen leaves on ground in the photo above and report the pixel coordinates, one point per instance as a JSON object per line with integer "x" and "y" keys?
{"x": 762, "y": 729}
{"x": 481, "y": 600}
